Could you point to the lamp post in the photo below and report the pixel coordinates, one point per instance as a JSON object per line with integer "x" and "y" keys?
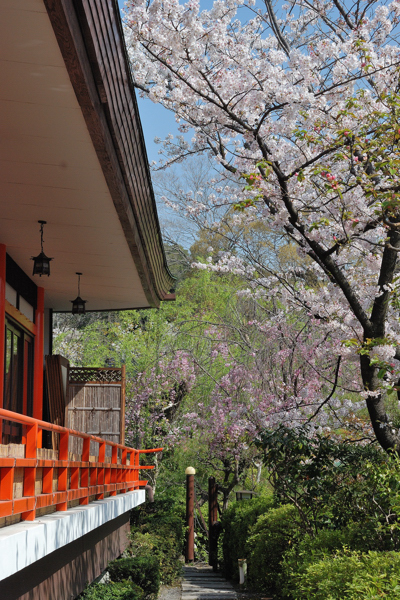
{"x": 189, "y": 551}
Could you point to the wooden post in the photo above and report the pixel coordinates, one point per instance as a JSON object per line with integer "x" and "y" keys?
{"x": 122, "y": 413}
{"x": 189, "y": 553}
{"x": 212, "y": 522}
{"x": 38, "y": 361}
{"x": 2, "y": 327}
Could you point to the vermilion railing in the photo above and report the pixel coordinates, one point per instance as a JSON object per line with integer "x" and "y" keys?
{"x": 76, "y": 480}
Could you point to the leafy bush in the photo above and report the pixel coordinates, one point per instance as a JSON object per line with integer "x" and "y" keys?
{"x": 159, "y": 529}
{"x": 350, "y": 575}
{"x": 270, "y": 537}
{"x": 310, "y": 550}
{"x": 334, "y": 483}
{"x": 124, "y": 590}
{"x": 236, "y": 523}
{"x": 143, "y": 570}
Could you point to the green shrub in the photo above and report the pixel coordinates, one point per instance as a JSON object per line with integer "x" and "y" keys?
{"x": 143, "y": 570}
{"x": 159, "y": 528}
{"x": 334, "y": 483}
{"x": 237, "y": 521}
{"x": 323, "y": 546}
{"x": 350, "y": 575}
{"x": 270, "y": 537}
{"x": 123, "y": 590}
{"x": 165, "y": 546}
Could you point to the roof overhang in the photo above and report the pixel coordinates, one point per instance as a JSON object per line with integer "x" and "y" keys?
{"x": 72, "y": 153}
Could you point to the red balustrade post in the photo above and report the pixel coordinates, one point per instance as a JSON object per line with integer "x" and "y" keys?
{"x": 74, "y": 474}
{"x": 47, "y": 480}
{"x": 6, "y": 483}
{"x": 63, "y": 470}
{"x": 114, "y": 469}
{"x": 107, "y": 474}
{"x": 100, "y": 472}
{"x": 85, "y": 470}
{"x": 124, "y": 470}
{"x": 32, "y": 439}
{"x": 38, "y": 361}
{"x": 137, "y": 472}
{"x": 134, "y": 471}
{"x": 93, "y": 477}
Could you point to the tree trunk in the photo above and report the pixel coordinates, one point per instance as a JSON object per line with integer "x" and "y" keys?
{"x": 376, "y": 407}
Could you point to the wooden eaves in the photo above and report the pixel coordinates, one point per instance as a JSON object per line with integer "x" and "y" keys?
{"x": 90, "y": 36}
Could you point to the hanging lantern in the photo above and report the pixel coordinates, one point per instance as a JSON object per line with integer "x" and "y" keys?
{"x": 41, "y": 262}
{"x": 78, "y": 305}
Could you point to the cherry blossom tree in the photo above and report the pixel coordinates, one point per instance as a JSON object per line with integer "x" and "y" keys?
{"x": 243, "y": 385}
{"x": 299, "y": 105}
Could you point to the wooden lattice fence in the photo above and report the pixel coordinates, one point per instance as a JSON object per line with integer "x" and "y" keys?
{"x": 96, "y": 403}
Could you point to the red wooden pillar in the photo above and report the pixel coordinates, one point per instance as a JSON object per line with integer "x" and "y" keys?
{"x": 189, "y": 551}
{"x": 2, "y": 327}
{"x": 38, "y": 361}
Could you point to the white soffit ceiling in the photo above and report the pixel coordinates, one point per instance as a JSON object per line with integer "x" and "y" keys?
{"x": 49, "y": 170}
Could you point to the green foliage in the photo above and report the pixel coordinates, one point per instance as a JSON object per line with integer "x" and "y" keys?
{"x": 336, "y": 535}
{"x": 237, "y": 521}
{"x": 143, "y": 570}
{"x": 309, "y": 550}
{"x": 350, "y": 575}
{"x": 123, "y": 590}
{"x": 331, "y": 483}
{"x": 270, "y": 537}
{"x": 158, "y": 530}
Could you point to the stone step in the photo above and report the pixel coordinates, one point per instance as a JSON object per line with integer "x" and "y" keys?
{"x": 202, "y": 583}
{"x": 208, "y": 595}
{"x": 201, "y": 579}
{"x": 206, "y": 586}
{"x": 209, "y": 582}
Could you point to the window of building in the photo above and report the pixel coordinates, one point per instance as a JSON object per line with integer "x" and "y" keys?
{"x": 18, "y": 377}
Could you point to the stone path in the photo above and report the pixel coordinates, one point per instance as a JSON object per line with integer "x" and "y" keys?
{"x": 201, "y": 583}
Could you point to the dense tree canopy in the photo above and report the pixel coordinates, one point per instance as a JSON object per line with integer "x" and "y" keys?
{"x": 299, "y": 105}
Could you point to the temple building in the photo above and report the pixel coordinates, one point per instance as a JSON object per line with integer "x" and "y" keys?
{"x": 76, "y": 189}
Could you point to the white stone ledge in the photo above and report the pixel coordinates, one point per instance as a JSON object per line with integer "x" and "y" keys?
{"x": 26, "y": 542}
